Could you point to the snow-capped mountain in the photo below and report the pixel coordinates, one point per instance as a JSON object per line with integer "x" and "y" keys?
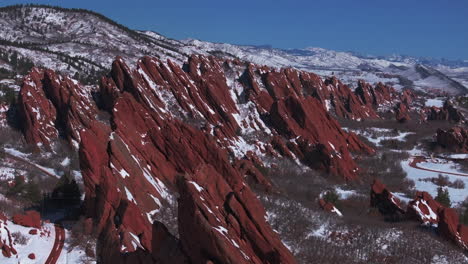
{"x": 84, "y": 43}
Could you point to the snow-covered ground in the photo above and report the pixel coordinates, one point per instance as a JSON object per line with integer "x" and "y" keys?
{"x": 73, "y": 255}
{"x": 422, "y": 181}
{"x": 437, "y": 102}
{"x": 441, "y": 165}
{"x": 377, "y": 135}
{"x": 40, "y": 244}
{"x": 25, "y": 157}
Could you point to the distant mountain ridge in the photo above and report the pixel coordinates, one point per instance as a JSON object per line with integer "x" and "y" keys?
{"x": 83, "y": 44}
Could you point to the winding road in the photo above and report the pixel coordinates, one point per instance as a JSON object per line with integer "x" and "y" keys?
{"x": 417, "y": 159}
{"x": 58, "y": 245}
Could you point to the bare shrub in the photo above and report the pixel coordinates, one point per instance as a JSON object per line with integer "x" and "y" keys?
{"x": 387, "y": 168}
{"x": 81, "y": 239}
{"x": 19, "y": 238}
{"x": 444, "y": 181}
{"x": 458, "y": 184}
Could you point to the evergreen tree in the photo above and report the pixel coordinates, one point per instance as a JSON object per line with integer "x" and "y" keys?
{"x": 464, "y": 212}
{"x": 66, "y": 192}
{"x": 443, "y": 197}
{"x": 332, "y": 197}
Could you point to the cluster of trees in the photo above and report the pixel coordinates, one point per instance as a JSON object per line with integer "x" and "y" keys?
{"x": 66, "y": 192}
{"x": 28, "y": 191}
{"x": 19, "y": 63}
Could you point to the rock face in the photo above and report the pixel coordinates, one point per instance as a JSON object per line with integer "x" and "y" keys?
{"x": 402, "y": 113}
{"x": 454, "y": 139}
{"x": 448, "y": 112}
{"x": 424, "y": 209}
{"x": 450, "y": 227}
{"x": 385, "y": 201}
{"x": 51, "y": 105}
{"x": 192, "y": 132}
{"x": 430, "y": 212}
{"x": 28, "y": 219}
{"x": 225, "y": 213}
{"x": 329, "y": 207}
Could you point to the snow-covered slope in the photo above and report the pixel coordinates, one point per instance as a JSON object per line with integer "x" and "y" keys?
{"x": 71, "y": 40}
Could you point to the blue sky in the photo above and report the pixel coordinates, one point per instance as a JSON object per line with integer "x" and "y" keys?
{"x": 432, "y": 28}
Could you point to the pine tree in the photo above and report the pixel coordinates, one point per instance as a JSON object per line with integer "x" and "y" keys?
{"x": 332, "y": 197}
{"x": 464, "y": 213}
{"x": 443, "y": 197}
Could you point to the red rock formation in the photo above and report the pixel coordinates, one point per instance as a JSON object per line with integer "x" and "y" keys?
{"x": 424, "y": 209}
{"x": 402, "y": 113}
{"x": 448, "y": 112}
{"x": 210, "y": 119}
{"x": 49, "y": 103}
{"x": 28, "y": 219}
{"x": 221, "y": 210}
{"x": 385, "y": 201}
{"x": 375, "y": 97}
{"x": 450, "y": 228}
{"x": 454, "y": 139}
{"x": 329, "y": 207}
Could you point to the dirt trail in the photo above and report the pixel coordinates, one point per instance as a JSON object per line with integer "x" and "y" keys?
{"x": 58, "y": 245}
{"x": 418, "y": 159}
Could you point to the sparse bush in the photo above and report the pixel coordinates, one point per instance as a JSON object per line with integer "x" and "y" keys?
{"x": 458, "y": 184}
{"x": 441, "y": 180}
{"x": 79, "y": 238}
{"x": 444, "y": 181}
{"x": 27, "y": 191}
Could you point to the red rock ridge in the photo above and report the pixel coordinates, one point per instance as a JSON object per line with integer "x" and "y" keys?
{"x": 387, "y": 203}
{"x": 50, "y": 104}
{"x": 454, "y": 139}
{"x": 448, "y": 112}
{"x": 207, "y": 123}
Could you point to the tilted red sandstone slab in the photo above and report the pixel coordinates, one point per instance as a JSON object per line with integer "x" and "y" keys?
{"x": 167, "y": 121}
{"x": 387, "y": 203}
{"x": 454, "y": 139}
{"x": 50, "y": 104}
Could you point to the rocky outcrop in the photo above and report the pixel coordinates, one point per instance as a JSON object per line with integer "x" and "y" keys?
{"x": 28, "y": 219}
{"x": 375, "y": 96}
{"x": 453, "y": 140}
{"x": 221, "y": 221}
{"x": 450, "y": 227}
{"x": 329, "y": 207}
{"x": 448, "y": 113}
{"x": 446, "y": 220}
{"x": 193, "y": 132}
{"x": 387, "y": 204}
{"x": 424, "y": 209}
{"x": 402, "y": 113}
{"x": 51, "y": 105}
